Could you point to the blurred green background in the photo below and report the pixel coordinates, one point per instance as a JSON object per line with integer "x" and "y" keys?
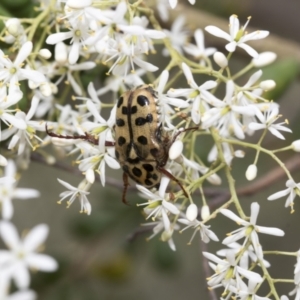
{"x": 98, "y": 255}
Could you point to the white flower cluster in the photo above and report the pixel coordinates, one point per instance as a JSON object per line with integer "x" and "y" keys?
{"x": 22, "y": 254}
{"x": 84, "y": 34}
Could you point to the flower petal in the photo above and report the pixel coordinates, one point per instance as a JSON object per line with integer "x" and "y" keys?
{"x": 36, "y": 237}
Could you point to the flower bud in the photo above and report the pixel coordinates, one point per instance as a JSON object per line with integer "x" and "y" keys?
{"x": 166, "y": 235}
{"x": 264, "y": 59}
{"x": 32, "y": 84}
{"x": 251, "y": 172}
{"x": 90, "y": 175}
{"x": 61, "y": 53}
{"x": 205, "y": 212}
{"x": 13, "y": 26}
{"x": 296, "y": 145}
{"x": 54, "y": 88}
{"x": 176, "y": 149}
{"x": 50, "y": 159}
{"x": 220, "y": 59}
{"x": 192, "y": 212}
{"x": 45, "y": 53}
{"x": 267, "y": 85}
{"x": 3, "y": 161}
{"x": 239, "y": 153}
{"x": 46, "y": 89}
{"x": 214, "y": 179}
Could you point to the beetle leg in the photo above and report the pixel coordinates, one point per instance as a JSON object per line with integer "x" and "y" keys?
{"x": 110, "y": 143}
{"x": 86, "y": 137}
{"x": 168, "y": 174}
{"x": 126, "y": 184}
{"x": 181, "y": 131}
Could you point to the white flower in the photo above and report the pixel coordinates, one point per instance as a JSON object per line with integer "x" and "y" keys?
{"x": 165, "y": 236}
{"x": 249, "y": 229}
{"x": 190, "y": 221}
{"x": 116, "y": 83}
{"x": 12, "y": 72}
{"x": 79, "y": 192}
{"x": 164, "y": 101}
{"x": 6, "y": 113}
{"x": 78, "y": 33}
{"x": 138, "y": 30}
{"x": 159, "y": 204}
{"x": 177, "y": 35}
{"x": 65, "y": 69}
{"x": 22, "y": 254}
{"x": 267, "y": 118}
{"x": 22, "y": 137}
{"x": 19, "y": 295}
{"x": 96, "y": 159}
{"x": 246, "y": 292}
{"x": 248, "y": 254}
{"x": 227, "y": 152}
{"x": 125, "y": 53}
{"x": 163, "y": 8}
{"x": 198, "y": 95}
{"x": 226, "y": 115}
{"x": 238, "y": 36}
{"x": 8, "y": 191}
{"x": 227, "y": 269}
{"x": 292, "y": 190}
{"x": 196, "y": 170}
{"x": 199, "y": 51}
{"x": 100, "y": 126}
{"x": 295, "y": 291}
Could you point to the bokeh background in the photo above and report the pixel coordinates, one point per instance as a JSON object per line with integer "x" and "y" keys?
{"x": 106, "y": 255}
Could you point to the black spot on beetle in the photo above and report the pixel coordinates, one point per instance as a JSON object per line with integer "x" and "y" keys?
{"x": 120, "y": 101}
{"x": 133, "y": 160}
{"x": 154, "y": 176}
{"x": 154, "y": 152}
{"x": 124, "y": 110}
{"x": 148, "y": 167}
{"x": 140, "y": 121}
{"x": 120, "y": 122}
{"x": 137, "y": 172}
{"x": 133, "y": 109}
{"x": 148, "y": 182}
{"x": 121, "y": 141}
{"x": 142, "y": 100}
{"x": 142, "y": 140}
{"x": 149, "y": 118}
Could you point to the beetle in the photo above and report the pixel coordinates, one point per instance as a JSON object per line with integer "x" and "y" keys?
{"x": 141, "y": 143}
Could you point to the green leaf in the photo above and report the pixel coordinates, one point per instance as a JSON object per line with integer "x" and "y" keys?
{"x": 8, "y": 4}
{"x": 283, "y": 72}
